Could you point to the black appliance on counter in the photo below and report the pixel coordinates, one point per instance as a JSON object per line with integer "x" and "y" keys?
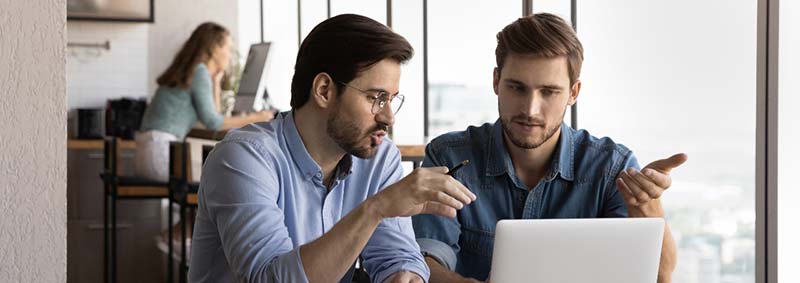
{"x": 90, "y": 124}
{"x": 124, "y": 116}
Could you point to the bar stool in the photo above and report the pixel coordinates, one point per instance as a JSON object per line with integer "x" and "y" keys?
{"x": 184, "y": 193}
{"x": 116, "y": 187}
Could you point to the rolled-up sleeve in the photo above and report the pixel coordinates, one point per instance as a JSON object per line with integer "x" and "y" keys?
{"x": 239, "y": 192}
{"x": 392, "y": 247}
{"x": 437, "y": 235}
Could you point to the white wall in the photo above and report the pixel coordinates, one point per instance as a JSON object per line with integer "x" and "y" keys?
{"x": 139, "y": 53}
{"x": 96, "y": 75}
{"x": 33, "y": 152}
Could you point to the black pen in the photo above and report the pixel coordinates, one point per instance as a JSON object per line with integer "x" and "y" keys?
{"x": 458, "y": 166}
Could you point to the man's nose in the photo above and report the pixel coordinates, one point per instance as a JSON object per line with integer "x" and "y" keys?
{"x": 385, "y": 115}
{"x": 533, "y": 104}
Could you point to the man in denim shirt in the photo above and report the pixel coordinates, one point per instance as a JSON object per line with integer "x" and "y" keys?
{"x": 299, "y": 198}
{"x": 529, "y": 164}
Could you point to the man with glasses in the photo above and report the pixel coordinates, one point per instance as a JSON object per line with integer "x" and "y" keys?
{"x": 529, "y": 164}
{"x": 299, "y": 198}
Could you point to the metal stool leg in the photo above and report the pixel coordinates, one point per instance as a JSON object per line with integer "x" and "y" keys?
{"x": 170, "y": 277}
{"x": 105, "y": 233}
{"x": 114, "y": 234}
{"x": 184, "y": 268}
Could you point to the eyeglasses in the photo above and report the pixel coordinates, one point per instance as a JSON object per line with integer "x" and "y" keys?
{"x": 381, "y": 98}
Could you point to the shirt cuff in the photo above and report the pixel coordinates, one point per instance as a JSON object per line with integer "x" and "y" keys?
{"x": 288, "y": 267}
{"x": 422, "y": 271}
{"x": 439, "y": 251}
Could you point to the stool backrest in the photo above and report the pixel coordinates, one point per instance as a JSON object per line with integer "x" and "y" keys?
{"x": 111, "y": 156}
{"x": 206, "y": 150}
{"x": 180, "y": 161}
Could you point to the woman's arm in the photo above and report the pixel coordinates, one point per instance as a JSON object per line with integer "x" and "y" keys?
{"x": 218, "y": 91}
{"x": 205, "y": 87}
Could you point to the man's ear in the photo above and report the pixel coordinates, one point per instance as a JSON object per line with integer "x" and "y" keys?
{"x": 573, "y": 93}
{"x": 496, "y": 80}
{"x": 323, "y": 90}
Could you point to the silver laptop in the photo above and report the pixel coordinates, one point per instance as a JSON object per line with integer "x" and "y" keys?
{"x": 618, "y": 250}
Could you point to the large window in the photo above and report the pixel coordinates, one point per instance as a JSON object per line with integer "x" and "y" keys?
{"x": 562, "y": 9}
{"x": 407, "y": 20}
{"x": 461, "y": 43}
{"x": 559, "y": 8}
{"x": 280, "y": 28}
{"x": 312, "y": 13}
{"x": 375, "y": 10}
{"x": 680, "y": 76}
{"x": 788, "y": 139}
{"x": 659, "y": 77}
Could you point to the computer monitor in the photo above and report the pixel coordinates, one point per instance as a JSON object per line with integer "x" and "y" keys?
{"x": 252, "y": 86}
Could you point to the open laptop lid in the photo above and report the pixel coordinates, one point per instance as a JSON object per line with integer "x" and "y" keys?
{"x": 618, "y": 250}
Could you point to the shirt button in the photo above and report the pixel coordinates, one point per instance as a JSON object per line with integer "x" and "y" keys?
{"x": 319, "y": 175}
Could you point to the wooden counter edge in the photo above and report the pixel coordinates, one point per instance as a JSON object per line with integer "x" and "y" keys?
{"x": 96, "y": 144}
{"x": 412, "y": 150}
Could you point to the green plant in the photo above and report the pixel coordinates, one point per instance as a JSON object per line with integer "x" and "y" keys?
{"x": 233, "y": 74}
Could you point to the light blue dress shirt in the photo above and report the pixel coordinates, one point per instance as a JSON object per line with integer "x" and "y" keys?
{"x": 261, "y": 197}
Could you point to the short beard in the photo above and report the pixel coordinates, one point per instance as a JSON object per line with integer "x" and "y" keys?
{"x": 520, "y": 142}
{"x": 346, "y": 134}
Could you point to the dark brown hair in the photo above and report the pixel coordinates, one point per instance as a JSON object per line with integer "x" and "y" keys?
{"x": 342, "y": 46}
{"x": 544, "y": 35}
{"x": 197, "y": 49}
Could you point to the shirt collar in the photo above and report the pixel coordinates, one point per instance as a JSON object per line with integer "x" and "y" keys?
{"x": 302, "y": 159}
{"x": 498, "y": 161}
{"x": 345, "y": 167}
{"x": 308, "y": 167}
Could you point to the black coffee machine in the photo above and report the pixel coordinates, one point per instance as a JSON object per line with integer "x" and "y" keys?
{"x": 123, "y": 117}
{"x": 90, "y": 123}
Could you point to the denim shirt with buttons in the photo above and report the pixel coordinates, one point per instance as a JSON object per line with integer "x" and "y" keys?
{"x": 579, "y": 184}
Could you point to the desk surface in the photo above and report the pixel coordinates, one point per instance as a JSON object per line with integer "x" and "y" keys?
{"x": 130, "y": 144}
{"x": 409, "y": 152}
{"x": 412, "y": 150}
{"x": 405, "y": 150}
{"x": 207, "y": 134}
